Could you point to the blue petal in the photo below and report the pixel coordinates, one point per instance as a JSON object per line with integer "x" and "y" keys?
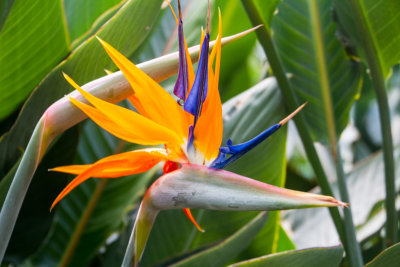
{"x": 236, "y": 151}
{"x": 198, "y": 92}
{"x": 181, "y": 85}
{"x": 190, "y": 138}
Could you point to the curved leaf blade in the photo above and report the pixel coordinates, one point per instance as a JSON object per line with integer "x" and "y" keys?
{"x": 389, "y": 257}
{"x": 305, "y": 38}
{"x": 32, "y": 42}
{"x": 328, "y": 257}
{"x": 81, "y": 15}
{"x": 383, "y": 22}
{"x": 5, "y": 8}
{"x": 220, "y": 254}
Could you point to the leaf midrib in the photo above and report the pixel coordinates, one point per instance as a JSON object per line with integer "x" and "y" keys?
{"x": 318, "y": 43}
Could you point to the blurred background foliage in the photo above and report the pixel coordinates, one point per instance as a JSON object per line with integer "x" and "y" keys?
{"x": 91, "y": 226}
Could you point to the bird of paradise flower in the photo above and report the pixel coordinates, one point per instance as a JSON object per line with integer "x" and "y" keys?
{"x": 191, "y": 134}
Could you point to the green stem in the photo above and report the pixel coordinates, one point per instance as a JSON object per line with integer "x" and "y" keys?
{"x": 355, "y": 256}
{"x": 378, "y": 81}
{"x": 288, "y": 93}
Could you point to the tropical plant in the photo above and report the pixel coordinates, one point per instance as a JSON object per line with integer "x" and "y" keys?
{"x": 341, "y": 57}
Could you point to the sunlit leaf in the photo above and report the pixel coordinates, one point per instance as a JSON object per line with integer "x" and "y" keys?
{"x": 32, "y": 42}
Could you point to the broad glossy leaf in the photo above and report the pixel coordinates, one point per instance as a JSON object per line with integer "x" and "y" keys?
{"x": 389, "y": 257}
{"x": 5, "y": 182}
{"x": 5, "y": 8}
{"x": 244, "y": 117}
{"x": 305, "y": 37}
{"x": 383, "y": 23}
{"x": 93, "y": 211}
{"x": 234, "y": 19}
{"x": 221, "y": 253}
{"x": 86, "y": 63}
{"x": 327, "y": 257}
{"x": 366, "y": 190}
{"x": 32, "y": 42}
{"x": 34, "y": 214}
{"x": 80, "y": 15}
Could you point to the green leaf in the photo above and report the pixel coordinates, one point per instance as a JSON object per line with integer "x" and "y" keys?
{"x": 268, "y": 9}
{"x": 32, "y": 42}
{"x": 367, "y": 190}
{"x": 86, "y": 63}
{"x": 220, "y": 254}
{"x": 383, "y": 23}
{"x": 5, "y": 182}
{"x": 327, "y": 257}
{"x": 5, "y": 8}
{"x": 389, "y": 257}
{"x": 34, "y": 214}
{"x": 93, "y": 211}
{"x": 323, "y": 75}
{"x": 81, "y": 15}
{"x": 234, "y": 19}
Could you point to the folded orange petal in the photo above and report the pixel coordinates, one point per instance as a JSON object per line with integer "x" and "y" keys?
{"x": 124, "y": 123}
{"x": 209, "y": 128}
{"x": 123, "y": 164}
{"x": 160, "y": 106}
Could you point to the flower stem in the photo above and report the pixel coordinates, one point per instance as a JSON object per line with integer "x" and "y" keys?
{"x": 265, "y": 38}
{"x": 378, "y": 81}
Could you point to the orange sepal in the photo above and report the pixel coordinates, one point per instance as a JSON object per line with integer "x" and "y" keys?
{"x": 124, "y": 123}
{"x": 114, "y": 166}
{"x": 191, "y": 218}
{"x": 160, "y": 106}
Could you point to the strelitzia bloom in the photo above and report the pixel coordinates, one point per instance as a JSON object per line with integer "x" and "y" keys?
{"x": 190, "y": 129}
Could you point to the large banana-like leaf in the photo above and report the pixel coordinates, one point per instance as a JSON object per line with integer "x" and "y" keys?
{"x": 86, "y": 63}
{"x": 233, "y": 68}
{"x": 327, "y": 257}
{"x": 323, "y": 75}
{"x": 34, "y": 39}
{"x": 81, "y": 15}
{"x": 389, "y": 257}
{"x": 221, "y": 253}
{"x": 5, "y": 8}
{"x": 35, "y": 214}
{"x": 383, "y": 23}
{"x": 367, "y": 191}
{"x": 244, "y": 117}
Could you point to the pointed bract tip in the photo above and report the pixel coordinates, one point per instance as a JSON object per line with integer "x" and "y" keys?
{"x": 285, "y": 120}
{"x": 208, "y": 18}
{"x": 179, "y": 8}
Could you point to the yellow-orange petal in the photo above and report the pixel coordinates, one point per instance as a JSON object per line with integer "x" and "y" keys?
{"x": 209, "y": 128}
{"x": 123, "y": 164}
{"x": 160, "y": 106}
{"x": 124, "y": 123}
